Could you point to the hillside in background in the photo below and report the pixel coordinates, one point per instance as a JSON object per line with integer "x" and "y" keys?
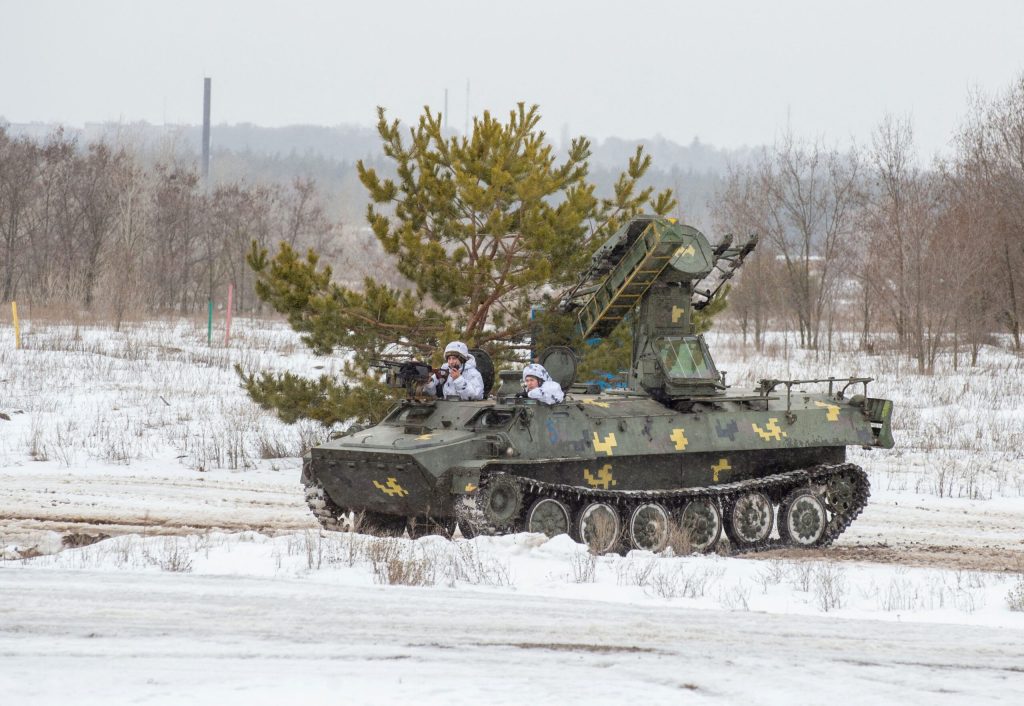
{"x": 328, "y": 155}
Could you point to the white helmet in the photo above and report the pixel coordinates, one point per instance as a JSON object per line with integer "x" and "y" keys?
{"x": 536, "y": 370}
{"x": 457, "y": 348}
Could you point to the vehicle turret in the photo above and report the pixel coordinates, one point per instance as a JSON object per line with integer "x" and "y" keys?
{"x": 650, "y": 273}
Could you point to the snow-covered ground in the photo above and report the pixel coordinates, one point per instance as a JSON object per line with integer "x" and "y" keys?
{"x": 215, "y": 585}
{"x": 300, "y": 619}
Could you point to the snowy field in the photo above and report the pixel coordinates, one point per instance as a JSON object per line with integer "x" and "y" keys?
{"x": 212, "y": 584}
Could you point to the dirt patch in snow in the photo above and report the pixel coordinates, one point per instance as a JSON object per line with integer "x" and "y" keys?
{"x": 996, "y": 559}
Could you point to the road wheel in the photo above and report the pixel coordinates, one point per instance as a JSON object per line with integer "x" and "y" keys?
{"x": 649, "y": 527}
{"x": 749, "y": 520}
{"x": 701, "y": 523}
{"x": 501, "y": 503}
{"x": 802, "y": 518}
{"x": 600, "y": 528}
{"x": 840, "y": 494}
{"x": 548, "y": 516}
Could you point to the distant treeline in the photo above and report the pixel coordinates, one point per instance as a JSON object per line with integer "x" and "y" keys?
{"x": 328, "y": 155}
{"x": 115, "y": 218}
{"x": 926, "y": 258}
{"x": 347, "y": 143}
{"x": 104, "y": 228}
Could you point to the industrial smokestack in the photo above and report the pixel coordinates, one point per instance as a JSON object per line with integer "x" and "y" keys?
{"x": 206, "y": 130}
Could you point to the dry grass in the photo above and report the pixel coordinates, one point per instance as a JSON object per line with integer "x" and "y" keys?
{"x": 405, "y": 565}
{"x": 397, "y": 561}
{"x": 631, "y": 572}
{"x": 959, "y": 590}
{"x": 736, "y": 597}
{"x": 389, "y": 560}
{"x": 678, "y": 580}
{"x": 149, "y": 390}
{"x": 584, "y": 567}
{"x": 801, "y": 575}
{"x": 679, "y": 540}
{"x": 830, "y": 586}
{"x": 468, "y": 565}
{"x": 604, "y": 533}
{"x": 771, "y": 574}
{"x": 171, "y": 555}
{"x": 1015, "y": 597}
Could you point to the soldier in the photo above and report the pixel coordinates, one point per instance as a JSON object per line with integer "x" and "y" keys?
{"x": 458, "y": 377}
{"x": 540, "y": 386}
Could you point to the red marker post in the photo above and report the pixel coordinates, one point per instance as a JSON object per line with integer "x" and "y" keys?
{"x": 227, "y": 321}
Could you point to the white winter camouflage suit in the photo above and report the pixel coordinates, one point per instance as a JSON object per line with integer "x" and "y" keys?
{"x": 549, "y": 392}
{"x": 469, "y": 385}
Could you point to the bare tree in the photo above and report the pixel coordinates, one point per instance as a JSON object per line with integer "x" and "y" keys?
{"x": 966, "y": 226}
{"x": 753, "y": 296}
{"x": 128, "y": 241}
{"x": 238, "y": 215}
{"x": 802, "y": 199}
{"x": 303, "y": 221}
{"x": 175, "y": 254}
{"x": 18, "y": 168}
{"x": 991, "y": 147}
{"x": 56, "y": 222}
{"x": 892, "y": 196}
{"x": 97, "y": 197}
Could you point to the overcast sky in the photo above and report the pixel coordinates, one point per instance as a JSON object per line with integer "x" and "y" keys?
{"x": 730, "y": 73}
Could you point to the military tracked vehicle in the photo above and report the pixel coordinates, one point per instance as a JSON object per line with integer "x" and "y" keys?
{"x": 674, "y": 450}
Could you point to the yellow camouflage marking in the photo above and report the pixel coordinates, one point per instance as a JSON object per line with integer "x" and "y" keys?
{"x": 424, "y": 437}
{"x": 470, "y": 487}
{"x": 722, "y": 465}
{"x": 392, "y": 488}
{"x": 771, "y": 430}
{"x": 604, "y": 477}
{"x": 688, "y": 250}
{"x": 605, "y": 405}
{"x": 677, "y": 313}
{"x": 679, "y": 436}
{"x": 833, "y": 410}
{"x": 605, "y": 446}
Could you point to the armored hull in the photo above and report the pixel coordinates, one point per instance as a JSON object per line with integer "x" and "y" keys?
{"x": 512, "y": 464}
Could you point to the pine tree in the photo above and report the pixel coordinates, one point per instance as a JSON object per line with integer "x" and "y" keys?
{"x": 484, "y": 227}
